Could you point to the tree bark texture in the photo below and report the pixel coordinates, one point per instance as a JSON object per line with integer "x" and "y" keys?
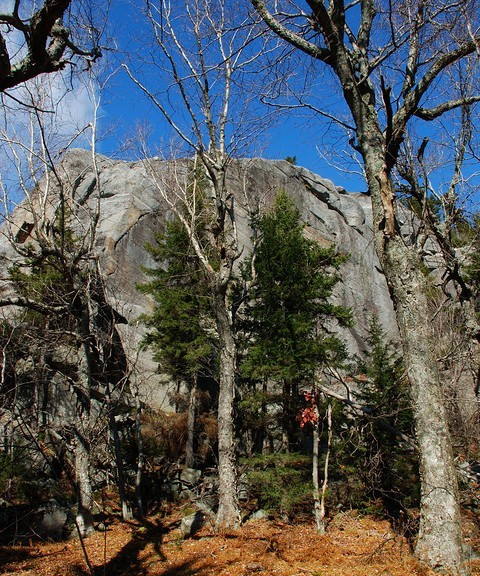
{"x": 228, "y": 515}
{"x": 141, "y": 455}
{"x": 191, "y": 418}
{"x": 46, "y": 41}
{"x": 439, "y": 541}
{"x": 83, "y": 424}
{"x": 316, "y": 486}
{"x": 84, "y": 486}
{"x": 121, "y": 482}
{"x": 440, "y": 537}
{"x": 322, "y": 511}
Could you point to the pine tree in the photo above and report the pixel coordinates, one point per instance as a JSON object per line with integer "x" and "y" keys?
{"x": 179, "y": 325}
{"x": 390, "y": 467}
{"x": 181, "y": 332}
{"x": 290, "y": 308}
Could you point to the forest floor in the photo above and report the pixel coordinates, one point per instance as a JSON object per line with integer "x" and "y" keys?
{"x": 354, "y": 545}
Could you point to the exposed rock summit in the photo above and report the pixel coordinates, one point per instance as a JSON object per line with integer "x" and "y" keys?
{"x": 132, "y": 209}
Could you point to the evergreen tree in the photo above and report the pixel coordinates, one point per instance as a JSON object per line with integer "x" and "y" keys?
{"x": 290, "y": 308}
{"x": 181, "y": 326}
{"x": 414, "y": 77}
{"x": 389, "y": 466}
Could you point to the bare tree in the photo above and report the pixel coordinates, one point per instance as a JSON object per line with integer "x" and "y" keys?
{"x": 440, "y": 188}
{"x": 205, "y": 63}
{"x": 56, "y": 274}
{"x": 36, "y": 40}
{"x": 389, "y": 61}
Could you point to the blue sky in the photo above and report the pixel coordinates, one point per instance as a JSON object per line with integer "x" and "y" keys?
{"x": 320, "y": 147}
{"x": 317, "y": 145}
{"x": 293, "y": 136}
{"x": 124, "y": 108}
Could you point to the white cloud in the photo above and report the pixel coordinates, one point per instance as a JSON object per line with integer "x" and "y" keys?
{"x": 6, "y": 6}
{"x": 66, "y": 94}
{"x": 65, "y": 106}
{"x": 73, "y": 102}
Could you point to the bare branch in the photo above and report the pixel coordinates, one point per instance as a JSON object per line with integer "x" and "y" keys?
{"x": 286, "y": 34}
{"x": 46, "y": 40}
{"x": 32, "y": 305}
{"x": 433, "y": 113}
{"x": 441, "y": 63}
{"x": 364, "y": 410}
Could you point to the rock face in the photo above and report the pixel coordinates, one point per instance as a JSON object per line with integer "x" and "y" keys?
{"x": 132, "y": 208}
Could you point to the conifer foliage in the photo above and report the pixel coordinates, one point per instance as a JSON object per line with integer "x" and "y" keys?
{"x": 180, "y": 326}
{"x": 290, "y": 307}
{"x": 380, "y": 450}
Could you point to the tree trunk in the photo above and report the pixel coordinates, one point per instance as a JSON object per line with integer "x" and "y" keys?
{"x": 322, "y": 512}
{"x": 286, "y": 417}
{"x": 463, "y": 378}
{"x": 440, "y": 536}
{"x": 83, "y": 426}
{"x": 141, "y": 455}
{"x": 117, "y": 447}
{"x": 261, "y": 444}
{"x": 316, "y": 486}
{"x": 228, "y": 515}
{"x": 319, "y": 498}
{"x": 122, "y": 492}
{"x": 191, "y": 418}
{"x": 439, "y": 541}
{"x": 84, "y": 517}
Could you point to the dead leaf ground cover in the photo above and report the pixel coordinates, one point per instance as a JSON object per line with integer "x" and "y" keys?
{"x": 353, "y": 546}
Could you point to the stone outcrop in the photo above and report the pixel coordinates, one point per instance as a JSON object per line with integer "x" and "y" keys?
{"x": 132, "y": 209}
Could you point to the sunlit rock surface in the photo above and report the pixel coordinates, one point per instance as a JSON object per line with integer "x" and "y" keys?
{"x": 132, "y": 208}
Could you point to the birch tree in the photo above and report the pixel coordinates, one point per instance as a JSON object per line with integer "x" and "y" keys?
{"x": 392, "y": 64}
{"x": 203, "y": 58}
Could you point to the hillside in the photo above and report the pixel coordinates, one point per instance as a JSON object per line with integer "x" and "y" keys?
{"x": 89, "y": 407}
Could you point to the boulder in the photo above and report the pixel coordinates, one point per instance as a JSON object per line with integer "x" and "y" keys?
{"x": 52, "y": 520}
{"x": 190, "y": 476}
{"x": 191, "y": 524}
{"x": 259, "y": 515}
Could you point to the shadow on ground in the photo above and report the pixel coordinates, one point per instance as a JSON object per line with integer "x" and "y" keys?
{"x": 129, "y": 560}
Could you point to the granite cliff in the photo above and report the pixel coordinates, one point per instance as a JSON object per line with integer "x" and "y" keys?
{"x": 132, "y": 209}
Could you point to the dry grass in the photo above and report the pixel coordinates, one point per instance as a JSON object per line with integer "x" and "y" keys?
{"x": 353, "y": 546}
